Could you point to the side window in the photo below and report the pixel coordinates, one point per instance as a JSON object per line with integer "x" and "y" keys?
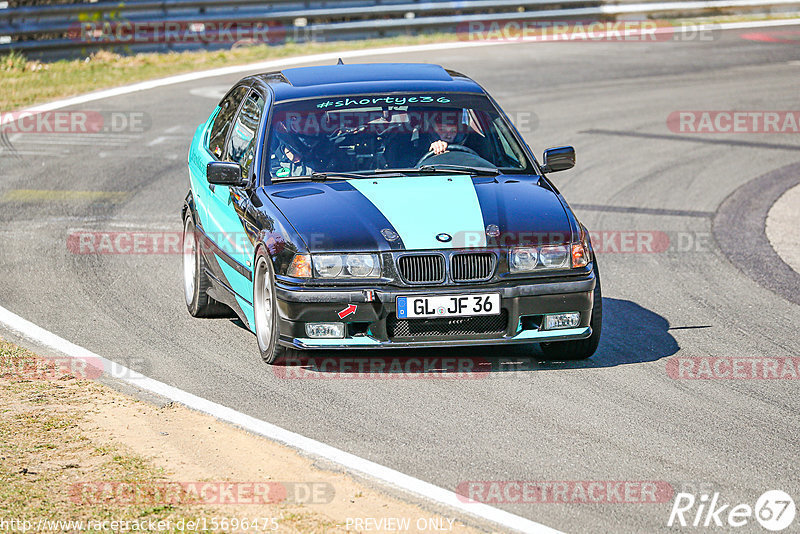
{"x": 227, "y": 110}
{"x": 512, "y": 156}
{"x": 242, "y": 143}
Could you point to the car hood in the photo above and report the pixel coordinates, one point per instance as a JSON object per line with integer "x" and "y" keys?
{"x": 421, "y": 213}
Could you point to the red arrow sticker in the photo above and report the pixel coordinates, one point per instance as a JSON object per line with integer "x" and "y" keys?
{"x": 349, "y": 310}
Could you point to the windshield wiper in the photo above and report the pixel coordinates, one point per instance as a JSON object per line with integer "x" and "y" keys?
{"x": 326, "y": 175}
{"x": 462, "y": 168}
{"x": 428, "y": 169}
{"x": 322, "y": 176}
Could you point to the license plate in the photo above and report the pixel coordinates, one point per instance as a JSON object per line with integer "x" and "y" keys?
{"x": 420, "y": 307}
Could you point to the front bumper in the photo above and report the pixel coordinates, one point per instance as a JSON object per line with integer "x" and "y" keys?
{"x": 374, "y": 324}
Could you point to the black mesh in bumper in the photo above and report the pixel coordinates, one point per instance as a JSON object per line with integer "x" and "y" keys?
{"x": 452, "y": 327}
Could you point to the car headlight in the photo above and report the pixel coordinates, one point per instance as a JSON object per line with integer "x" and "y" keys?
{"x": 546, "y": 257}
{"x": 347, "y": 265}
{"x": 553, "y": 256}
{"x": 524, "y": 259}
{"x": 328, "y": 265}
{"x": 361, "y": 265}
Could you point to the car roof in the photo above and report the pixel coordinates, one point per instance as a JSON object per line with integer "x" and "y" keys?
{"x": 363, "y": 78}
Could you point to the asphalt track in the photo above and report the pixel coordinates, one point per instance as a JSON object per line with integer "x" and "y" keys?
{"x": 617, "y": 417}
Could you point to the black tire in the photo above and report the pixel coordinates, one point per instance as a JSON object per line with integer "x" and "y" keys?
{"x": 580, "y": 349}
{"x": 265, "y": 312}
{"x": 195, "y": 280}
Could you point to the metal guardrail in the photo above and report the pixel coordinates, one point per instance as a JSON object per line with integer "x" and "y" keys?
{"x": 375, "y": 11}
{"x": 68, "y": 29}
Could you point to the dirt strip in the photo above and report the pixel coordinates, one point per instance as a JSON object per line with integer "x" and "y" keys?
{"x": 75, "y": 449}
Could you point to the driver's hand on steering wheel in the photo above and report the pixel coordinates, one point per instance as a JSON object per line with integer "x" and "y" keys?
{"x": 438, "y": 147}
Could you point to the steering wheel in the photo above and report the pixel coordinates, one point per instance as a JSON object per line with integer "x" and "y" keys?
{"x": 450, "y": 148}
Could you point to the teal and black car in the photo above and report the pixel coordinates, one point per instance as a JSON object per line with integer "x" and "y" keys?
{"x": 383, "y": 206}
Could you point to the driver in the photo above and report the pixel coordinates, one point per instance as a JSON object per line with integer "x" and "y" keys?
{"x": 447, "y": 131}
{"x": 448, "y": 128}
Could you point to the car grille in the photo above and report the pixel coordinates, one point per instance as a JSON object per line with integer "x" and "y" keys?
{"x": 482, "y": 325}
{"x": 472, "y": 267}
{"x": 422, "y": 268}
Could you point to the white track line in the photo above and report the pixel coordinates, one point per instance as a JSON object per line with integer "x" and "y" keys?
{"x": 351, "y": 462}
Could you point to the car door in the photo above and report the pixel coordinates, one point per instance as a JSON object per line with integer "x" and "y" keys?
{"x": 208, "y": 145}
{"x": 228, "y": 206}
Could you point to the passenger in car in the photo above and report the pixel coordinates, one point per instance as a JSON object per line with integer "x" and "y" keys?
{"x": 288, "y": 161}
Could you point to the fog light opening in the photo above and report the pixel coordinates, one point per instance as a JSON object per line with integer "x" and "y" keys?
{"x": 357, "y": 329}
{"x": 325, "y": 330}
{"x": 530, "y": 322}
{"x": 558, "y": 321}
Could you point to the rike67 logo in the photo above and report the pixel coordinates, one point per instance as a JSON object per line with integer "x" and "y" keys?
{"x": 774, "y": 510}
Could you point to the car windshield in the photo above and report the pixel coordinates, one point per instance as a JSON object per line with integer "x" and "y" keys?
{"x": 367, "y": 134}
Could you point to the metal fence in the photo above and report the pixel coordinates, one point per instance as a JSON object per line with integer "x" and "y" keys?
{"x": 139, "y": 25}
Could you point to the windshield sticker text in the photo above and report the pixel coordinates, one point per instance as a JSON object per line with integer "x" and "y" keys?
{"x": 389, "y": 100}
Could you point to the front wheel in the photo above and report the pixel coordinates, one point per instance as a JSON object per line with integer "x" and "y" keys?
{"x": 195, "y": 279}
{"x": 265, "y": 311}
{"x": 580, "y": 349}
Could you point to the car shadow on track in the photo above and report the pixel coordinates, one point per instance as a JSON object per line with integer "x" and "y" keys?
{"x": 631, "y": 334}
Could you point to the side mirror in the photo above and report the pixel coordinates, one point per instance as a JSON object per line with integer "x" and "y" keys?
{"x": 225, "y": 173}
{"x": 558, "y": 159}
